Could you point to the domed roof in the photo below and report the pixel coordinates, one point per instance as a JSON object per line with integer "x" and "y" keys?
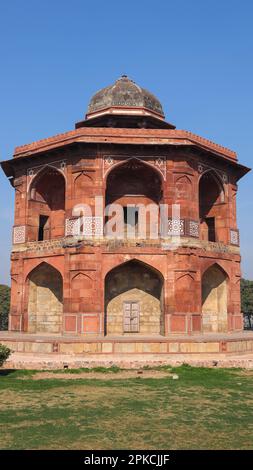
{"x": 125, "y": 93}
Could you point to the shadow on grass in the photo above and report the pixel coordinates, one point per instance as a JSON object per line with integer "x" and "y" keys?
{"x": 5, "y": 372}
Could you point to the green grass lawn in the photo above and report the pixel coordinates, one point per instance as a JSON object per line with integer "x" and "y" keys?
{"x": 203, "y": 409}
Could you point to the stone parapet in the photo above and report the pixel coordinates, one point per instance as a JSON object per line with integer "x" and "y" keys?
{"x": 113, "y": 244}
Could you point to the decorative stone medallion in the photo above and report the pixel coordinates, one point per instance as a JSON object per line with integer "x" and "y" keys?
{"x": 176, "y": 227}
{"x": 109, "y": 161}
{"x": 160, "y": 163}
{"x": 19, "y": 234}
{"x": 234, "y": 237}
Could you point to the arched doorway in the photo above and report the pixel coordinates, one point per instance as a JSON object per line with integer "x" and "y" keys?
{"x": 134, "y": 183}
{"x": 134, "y": 300}
{"x": 214, "y": 300}
{"x": 46, "y": 205}
{"x": 211, "y": 197}
{"x": 45, "y": 300}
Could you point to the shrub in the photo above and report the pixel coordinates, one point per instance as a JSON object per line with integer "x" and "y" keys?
{"x": 4, "y": 354}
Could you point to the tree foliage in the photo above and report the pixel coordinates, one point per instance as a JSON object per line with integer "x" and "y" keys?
{"x": 247, "y": 296}
{"x": 5, "y": 293}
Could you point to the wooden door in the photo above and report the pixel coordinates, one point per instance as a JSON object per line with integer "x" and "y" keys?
{"x": 131, "y": 317}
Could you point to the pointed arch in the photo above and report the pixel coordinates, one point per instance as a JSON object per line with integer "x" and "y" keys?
{"x": 144, "y": 162}
{"x": 214, "y": 288}
{"x": 134, "y": 292}
{"x": 184, "y": 179}
{"x": 45, "y": 299}
{"x": 81, "y": 276}
{"x": 183, "y": 187}
{"x": 81, "y": 182}
{"x": 137, "y": 187}
{"x": 45, "y": 169}
{"x": 46, "y": 184}
{"x": 216, "y": 179}
{"x": 40, "y": 265}
{"x": 211, "y": 196}
{"x": 46, "y": 205}
{"x": 81, "y": 286}
{"x": 184, "y": 292}
{"x": 185, "y": 277}
{"x": 218, "y": 266}
{"x": 137, "y": 261}
{"x": 82, "y": 291}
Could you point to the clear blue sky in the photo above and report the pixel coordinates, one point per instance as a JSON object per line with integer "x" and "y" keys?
{"x": 196, "y": 56}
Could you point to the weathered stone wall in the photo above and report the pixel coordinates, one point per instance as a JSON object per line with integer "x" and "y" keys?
{"x": 45, "y": 300}
{"x": 214, "y": 301}
{"x": 134, "y": 282}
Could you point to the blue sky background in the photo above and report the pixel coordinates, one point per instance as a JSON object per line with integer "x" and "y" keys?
{"x": 196, "y": 56}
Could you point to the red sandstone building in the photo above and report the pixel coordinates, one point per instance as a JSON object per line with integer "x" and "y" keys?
{"x": 95, "y": 288}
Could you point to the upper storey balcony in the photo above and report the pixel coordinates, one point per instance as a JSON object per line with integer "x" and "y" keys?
{"x": 138, "y": 209}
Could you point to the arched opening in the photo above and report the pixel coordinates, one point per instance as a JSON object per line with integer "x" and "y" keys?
{"x": 211, "y": 196}
{"x": 46, "y": 206}
{"x": 45, "y": 300}
{"x": 131, "y": 184}
{"x": 134, "y": 300}
{"x": 214, "y": 300}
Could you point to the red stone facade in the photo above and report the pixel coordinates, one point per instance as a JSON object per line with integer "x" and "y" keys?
{"x": 65, "y": 283}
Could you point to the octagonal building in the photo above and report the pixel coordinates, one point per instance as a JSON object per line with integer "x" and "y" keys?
{"x": 83, "y": 290}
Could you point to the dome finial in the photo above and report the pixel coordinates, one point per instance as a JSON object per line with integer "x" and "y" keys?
{"x": 124, "y": 76}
